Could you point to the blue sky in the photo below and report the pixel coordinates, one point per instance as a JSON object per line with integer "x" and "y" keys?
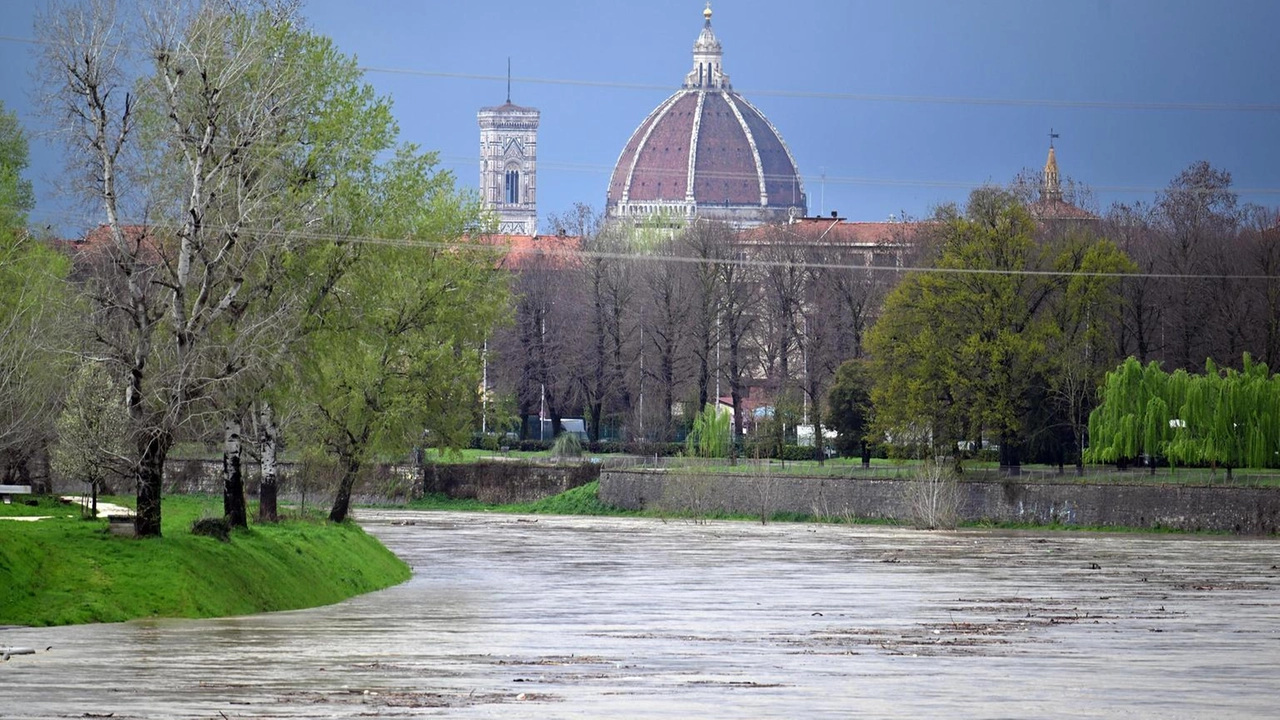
{"x": 986, "y": 81}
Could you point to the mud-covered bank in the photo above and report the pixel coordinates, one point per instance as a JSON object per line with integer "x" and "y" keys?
{"x": 1245, "y": 511}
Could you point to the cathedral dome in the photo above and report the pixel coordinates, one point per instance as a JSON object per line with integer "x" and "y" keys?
{"x": 707, "y": 152}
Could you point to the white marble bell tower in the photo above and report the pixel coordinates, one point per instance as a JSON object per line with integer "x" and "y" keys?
{"x": 509, "y": 167}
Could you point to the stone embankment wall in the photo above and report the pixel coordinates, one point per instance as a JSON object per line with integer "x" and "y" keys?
{"x": 490, "y": 482}
{"x": 503, "y": 483}
{"x": 1250, "y": 511}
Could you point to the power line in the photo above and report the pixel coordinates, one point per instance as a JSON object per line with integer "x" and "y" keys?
{"x": 463, "y": 161}
{"x": 800, "y": 94}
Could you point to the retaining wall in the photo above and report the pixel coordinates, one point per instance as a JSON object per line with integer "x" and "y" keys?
{"x": 1250, "y": 511}
{"x": 490, "y": 482}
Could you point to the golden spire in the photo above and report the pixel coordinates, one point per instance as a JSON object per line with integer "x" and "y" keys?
{"x": 707, "y": 13}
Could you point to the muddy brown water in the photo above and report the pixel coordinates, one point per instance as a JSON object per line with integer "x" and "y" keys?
{"x": 522, "y": 617}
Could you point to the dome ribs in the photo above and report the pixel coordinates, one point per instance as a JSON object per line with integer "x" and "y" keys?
{"x": 781, "y": 179}
{"x": 755, "y": 150}
{"x": 726, "y": 172}
{"x": 657, "y": 175}
{"x": 618, "y": 184}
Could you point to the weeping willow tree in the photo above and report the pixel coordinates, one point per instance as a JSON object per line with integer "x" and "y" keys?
{"x": 1229, "y": 418}
{"x": 1222, "y": 418}
{"x": 1133, "y": 419}
{"x": 709, "y": 437}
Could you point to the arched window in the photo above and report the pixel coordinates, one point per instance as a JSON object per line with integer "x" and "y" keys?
{"x": 513, "y": 186}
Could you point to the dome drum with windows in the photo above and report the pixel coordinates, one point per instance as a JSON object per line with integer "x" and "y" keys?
{"x": 706, "y": 152}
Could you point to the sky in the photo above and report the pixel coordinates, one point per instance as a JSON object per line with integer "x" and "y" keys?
{"x": 890, "y": 107}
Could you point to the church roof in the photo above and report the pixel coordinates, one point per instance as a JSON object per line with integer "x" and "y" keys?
{"x": 706, "y": 150}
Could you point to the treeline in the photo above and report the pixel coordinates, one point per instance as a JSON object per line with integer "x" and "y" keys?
{"x": 640, "y": 329}
{"x": 981, "y": 326}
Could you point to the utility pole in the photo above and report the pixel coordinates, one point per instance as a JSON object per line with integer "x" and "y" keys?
{"x": 484, "y": 389}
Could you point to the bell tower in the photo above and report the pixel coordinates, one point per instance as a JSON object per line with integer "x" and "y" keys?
{"x": 508, "y": 165}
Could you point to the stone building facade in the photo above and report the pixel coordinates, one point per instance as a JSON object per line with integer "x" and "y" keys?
{"x": 509, "y": 166}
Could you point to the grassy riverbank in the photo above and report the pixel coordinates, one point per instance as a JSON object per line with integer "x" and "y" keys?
{"x": 65, "y": 570}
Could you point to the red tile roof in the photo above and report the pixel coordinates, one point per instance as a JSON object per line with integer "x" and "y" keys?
{"x": 523, "y": 250}
{"x": 829, "y": 231}
{"x": 98, "y": 243}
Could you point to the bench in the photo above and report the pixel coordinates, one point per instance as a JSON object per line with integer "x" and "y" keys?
{"x": 8, "y": 491}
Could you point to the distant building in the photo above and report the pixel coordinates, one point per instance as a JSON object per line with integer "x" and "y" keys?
{"x": 1051, "y": 206}
{"x": 509, "y": 166}
{"x": 706, "y": 152}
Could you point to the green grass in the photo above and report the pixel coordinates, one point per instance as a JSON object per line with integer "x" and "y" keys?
{"x": 67, "y": 570}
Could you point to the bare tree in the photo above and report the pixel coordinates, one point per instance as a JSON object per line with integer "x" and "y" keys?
{"x": 534, "y": 355}
{"x": 1262, "y": 248}
{"x": 1194, "y": 215}
{"x": 211, "y": 138}
{"x": 666, "y": 330}
{"x": 1138, "y": 328}
{"x": 703, "y": 245}
{"x": 603, "y": 277}
{"x": 783, "y": 280}
{"x": 739, "y": 293}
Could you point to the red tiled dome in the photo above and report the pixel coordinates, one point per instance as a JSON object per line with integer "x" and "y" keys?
{"x": 706, "y": 151}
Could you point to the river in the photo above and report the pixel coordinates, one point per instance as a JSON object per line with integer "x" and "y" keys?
{"x": 550, "y": 617}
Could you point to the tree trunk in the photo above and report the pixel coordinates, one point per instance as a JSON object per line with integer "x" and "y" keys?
{"x": 233, "y": 503}
{"x": 150, "y": 478}
{"x": 342, "y": 501}
{"x": 269, "y": 492}
{"x": 594, "y": 433}
{"x": 1009, "y": 464}
{"x": 866, "y": 454}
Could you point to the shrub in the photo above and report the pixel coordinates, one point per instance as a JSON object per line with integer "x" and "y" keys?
{"x": 608, "y": 447}
{"x": 649, "y": 449}
{"x": 567, "y": 445}
{"x": 212, "y": 527}
{"x": 710, "y": 435}
{"x": 934, "y": 497}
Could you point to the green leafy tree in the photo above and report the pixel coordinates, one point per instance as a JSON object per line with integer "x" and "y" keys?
{"x": 395, "y": 349}
{"x": 850, "y": 409}
{"x": 92, "y": 431}
{"x": 16, "y": 196}
{"x": 963, "y": 351}
{"x": 709, "y": 436}
{"x": 33, "y": 334}
{"x": 1223, "y": 418}
{"x": 219, "y": 134}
